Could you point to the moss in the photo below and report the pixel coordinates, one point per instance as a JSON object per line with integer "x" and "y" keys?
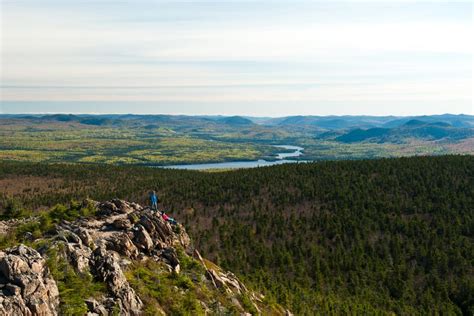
{"x": 133, "y": 218}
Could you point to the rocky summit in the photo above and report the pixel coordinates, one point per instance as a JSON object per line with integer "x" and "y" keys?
{"x": 121, "y": 259}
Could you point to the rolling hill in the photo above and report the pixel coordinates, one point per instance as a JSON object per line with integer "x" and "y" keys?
{"x": 412, "y": 129}
{"x": 169, "y": 140}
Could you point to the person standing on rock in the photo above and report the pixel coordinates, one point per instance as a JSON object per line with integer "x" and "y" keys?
{"x": 153, "y": 201}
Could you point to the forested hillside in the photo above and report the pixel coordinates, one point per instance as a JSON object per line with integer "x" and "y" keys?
{"x": 390, "y": 235}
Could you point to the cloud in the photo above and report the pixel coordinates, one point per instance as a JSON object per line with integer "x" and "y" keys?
{"x": 252, "y": 51}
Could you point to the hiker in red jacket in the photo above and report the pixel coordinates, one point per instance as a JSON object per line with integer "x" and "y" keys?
{"x": 169, "y": 219}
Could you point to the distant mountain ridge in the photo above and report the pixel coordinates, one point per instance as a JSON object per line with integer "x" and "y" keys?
{"x": 114, "y": 119}
{"x": 411, "y": 129}
{"x": 340, "y": 122}
{"x": 282, "y": 130}
{"x": 324, "y": 122}
{"x": 235, "y": 120}
{"x": 331, "y": 122}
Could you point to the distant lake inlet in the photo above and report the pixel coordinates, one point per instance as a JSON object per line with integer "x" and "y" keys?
{"x": 281, "y": 158}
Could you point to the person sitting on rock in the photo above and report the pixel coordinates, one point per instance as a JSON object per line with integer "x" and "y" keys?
{"x": 168, "y": 219}
{"x": 153, "y": 200}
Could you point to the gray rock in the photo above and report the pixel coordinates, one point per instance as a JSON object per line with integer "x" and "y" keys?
{"x": 96, "y": 308}
{"x": 146, "y": 222}
{"x": 122, "y": 206}
{"x": 124, "y": 246}
{"x": 28, "y": 288}
{"x": 84, "y": 236}
{"x": 103, "y": 246}
{"x": 106, "y": 267}
{"x": 12, "y": 289}
{"x": 106, "y": 208}
{"x": 136, "y": 206}
{"x": 79, "y": 256}
{"x": 171, "y": 256}
{"x": 142, "y": 238}
{"x": 122, "y": 224}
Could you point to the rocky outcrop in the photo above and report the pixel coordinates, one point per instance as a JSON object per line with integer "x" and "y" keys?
{"x": 105, "y": 246}
{"x": 25, "y": 283}
{"x": 106, "y": 267}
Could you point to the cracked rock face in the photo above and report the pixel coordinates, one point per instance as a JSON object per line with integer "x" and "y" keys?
{"x": 106, "y": 267}
{"x": 26, "y": 287}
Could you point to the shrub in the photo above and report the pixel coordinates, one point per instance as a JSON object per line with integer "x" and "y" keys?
{"x": 74, "y": 287}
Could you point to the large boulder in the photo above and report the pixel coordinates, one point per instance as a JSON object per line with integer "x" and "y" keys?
{"x": 123, "y": 206}
{"x": 124, "y": 246}
{"x": 79, "y": 256}
{"x": 106, "y": 208}
{"x": 122, "y": 224}
{"x": 26, "y": 286}
{"x": 142, "y": 238}
{"x": 170, "y": 255}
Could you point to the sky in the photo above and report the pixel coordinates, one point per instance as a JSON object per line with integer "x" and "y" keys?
{"x": 261, "y": 58}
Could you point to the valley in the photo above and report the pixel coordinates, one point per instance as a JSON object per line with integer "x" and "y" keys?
{"x": 162, "y": 140}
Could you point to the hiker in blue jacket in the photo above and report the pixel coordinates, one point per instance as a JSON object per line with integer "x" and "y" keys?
{"x": 153, "y": 200}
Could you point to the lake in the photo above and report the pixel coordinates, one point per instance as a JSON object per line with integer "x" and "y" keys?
{"x": 281, "y": 158}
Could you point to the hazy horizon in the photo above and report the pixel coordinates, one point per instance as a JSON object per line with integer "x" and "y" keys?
{"x": 227, "y": 115}
{"x": 104, "y": 108}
